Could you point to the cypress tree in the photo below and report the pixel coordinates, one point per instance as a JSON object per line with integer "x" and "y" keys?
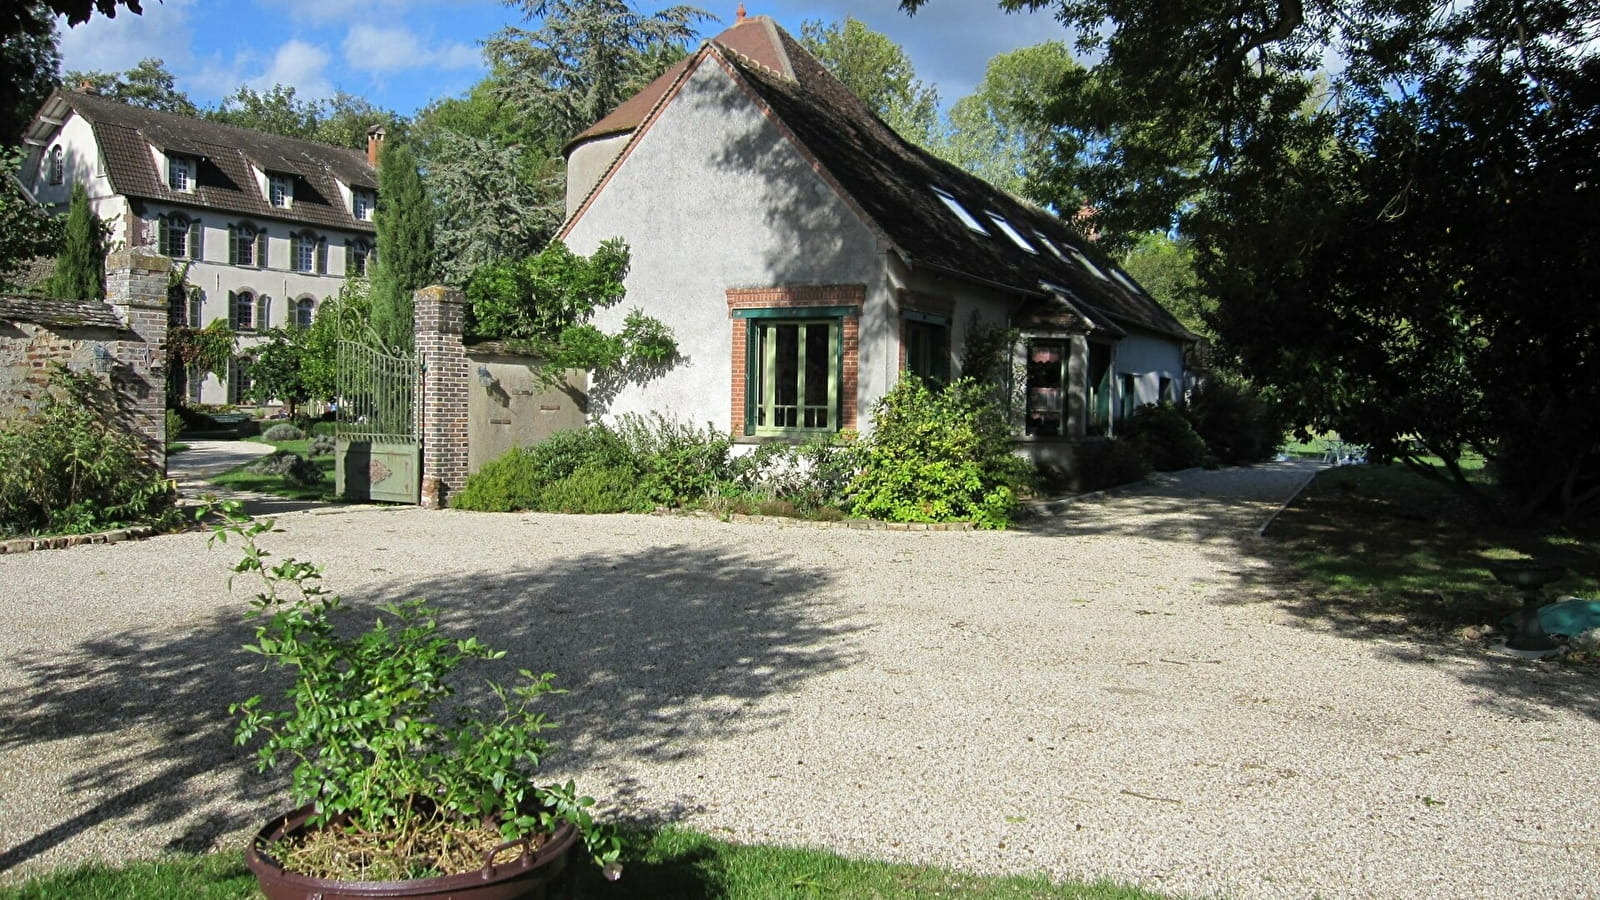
{"x": 405, "y": 221}
{"x": 81, "y": 265}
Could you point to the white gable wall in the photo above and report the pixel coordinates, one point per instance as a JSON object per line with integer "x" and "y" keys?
{"x": 713, "y": 197}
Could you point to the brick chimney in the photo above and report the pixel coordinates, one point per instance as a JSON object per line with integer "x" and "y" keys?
{"x": 374, "y": 144}
{"x": 740, "y": 14}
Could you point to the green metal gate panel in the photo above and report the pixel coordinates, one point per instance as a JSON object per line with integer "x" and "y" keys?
{"x": 377, "y": 453}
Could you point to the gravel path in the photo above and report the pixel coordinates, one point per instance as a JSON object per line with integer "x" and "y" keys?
{"x": 1111, "y": 691}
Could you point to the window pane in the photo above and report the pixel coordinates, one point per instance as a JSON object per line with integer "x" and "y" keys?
{"x": 796, "y": 379}
{"x": 1047, "y": 362}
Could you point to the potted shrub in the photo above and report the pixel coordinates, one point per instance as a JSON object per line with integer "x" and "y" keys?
{"x": 393, "y": 796}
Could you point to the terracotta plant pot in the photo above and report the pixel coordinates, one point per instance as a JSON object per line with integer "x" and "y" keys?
{"x": 542, "y": 874}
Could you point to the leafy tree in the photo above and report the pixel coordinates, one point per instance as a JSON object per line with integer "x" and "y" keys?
{"x": 490, "y": 207}
{"x": 81, "y": 266}
{"x": 1401, "y": 250}
{"x": 405, "y": 223}
{"x": 878, "y": 71}
{"x": 545, "y": 303}
{"x": 29, "y": 64}
{"x": 147, "y": 84}
{"x": 27, "y": 230}
{"x": 586, "y": 57}
{"x": 344, "y": 317}
{"x": 1001, "y": 132}
{"x": 1165, "y": 266}
{"x": 277, "y": 369}
{"x": 345, "y": 118}
{"x": 276, "y": 111}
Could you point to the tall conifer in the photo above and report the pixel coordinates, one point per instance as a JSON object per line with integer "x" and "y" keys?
{"x": 80, "y": 267}
{"x": 405, "y": 221}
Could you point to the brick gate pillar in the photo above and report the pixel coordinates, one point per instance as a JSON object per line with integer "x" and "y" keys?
{"x": 440, "y": 314}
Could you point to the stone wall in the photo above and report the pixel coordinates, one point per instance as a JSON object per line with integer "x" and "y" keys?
{"x": 121, "y": 336}
{"x": 478, "y": 402}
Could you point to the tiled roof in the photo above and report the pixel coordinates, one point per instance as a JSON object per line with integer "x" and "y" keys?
{"x": 59, "y": 313}
{"x": 892, "y": 181}
{"x": 755, "y": 38}
{"x": 224, "y": 180}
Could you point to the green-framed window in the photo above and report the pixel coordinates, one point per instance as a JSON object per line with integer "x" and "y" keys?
{"x": 794, "y": 369}
{"x": 927, "y": 346}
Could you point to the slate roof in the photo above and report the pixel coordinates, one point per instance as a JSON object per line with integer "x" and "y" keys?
{"x": 224, "y": 177}
{"x": 891, "y": 181}
{"x": 58, "y": 313}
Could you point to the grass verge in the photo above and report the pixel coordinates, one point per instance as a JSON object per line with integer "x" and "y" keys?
{"x": 1384, "y": 547}
{"x": 667, "y": 864}
{"x": 244, "y": 478}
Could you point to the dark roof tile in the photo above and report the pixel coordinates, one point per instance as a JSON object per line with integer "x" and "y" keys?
{"x": 225, "y": 179}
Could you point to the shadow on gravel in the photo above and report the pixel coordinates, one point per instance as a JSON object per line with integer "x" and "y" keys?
{"x": 658, "y": 649}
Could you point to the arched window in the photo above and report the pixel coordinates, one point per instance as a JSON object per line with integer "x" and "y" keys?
{"x": 242, "y": 311}
{"x": 305, "y": 312}
{"x": 180, "y": 237}
{"x": 58, "y": 166}
{"x": 356, "y": 256}
{"x": 308, "y": 253}
{"x": 247, "y": 246}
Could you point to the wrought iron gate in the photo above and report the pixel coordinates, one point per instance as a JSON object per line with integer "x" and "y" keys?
{"x": 377, "y": 451}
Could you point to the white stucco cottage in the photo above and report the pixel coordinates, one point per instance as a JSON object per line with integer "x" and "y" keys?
{"x": 268, "y": 226}
{"x": 805, "y": 256}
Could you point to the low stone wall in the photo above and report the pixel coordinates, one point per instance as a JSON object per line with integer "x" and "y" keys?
{"x": 122, "y": 337}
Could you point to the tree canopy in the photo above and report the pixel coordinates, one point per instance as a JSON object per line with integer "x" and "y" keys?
{"x": 1403, "y": 247}
{"x": 147, "y": 84}
{"x": 878, "y": 71}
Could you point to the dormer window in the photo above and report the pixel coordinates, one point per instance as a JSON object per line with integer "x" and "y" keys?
{"x": 280, "y": 190}
{"x": 960, "y": 212}
{"x": 58, "y": 167}
{"x": 362, "y": 203}
{"x": 1005, "y": 226}
{"x": 180, "y": 173}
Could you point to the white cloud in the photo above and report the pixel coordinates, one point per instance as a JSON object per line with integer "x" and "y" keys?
{"x": 327, "y": 12}
{"x": 301, "y": 66}
{"x": 374, "y": 49}
{"x": 118, "y": 44}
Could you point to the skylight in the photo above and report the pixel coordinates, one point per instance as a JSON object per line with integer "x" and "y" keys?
{"x": 1050, "y": 245}
{"x": 1001, "y": 223}
{"x": 1088, "y": 263}
{"x": 1126, "y": 281}
{"x": 954, "y": 205}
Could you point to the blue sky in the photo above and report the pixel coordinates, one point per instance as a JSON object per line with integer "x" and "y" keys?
{"x": 401, "y": 54}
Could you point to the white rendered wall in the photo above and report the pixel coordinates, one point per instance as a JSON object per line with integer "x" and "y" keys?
{"x": 712, "y": 197}
{"x": 1149, "y": 358}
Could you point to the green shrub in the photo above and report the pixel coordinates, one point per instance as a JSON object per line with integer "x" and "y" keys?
{"x": 174, "y": 425}
{"x": 811, "y": 477}
{"x": 293, "y": 468}
{"x": 597, "y": 489}
{"x": 70, "y": 468}
{"x": 938, "y": 456}
{"x": 319, "y": 429}
{"x": 518, "y": 479}
{"x": 322, "y": 445}
{"x": 681, "y": 464}
{"x": 283, "y": 431}
{"x": 1106, "y": 464}
{"x": 1164, "y": 437}
{"x": 1236, "y": 420}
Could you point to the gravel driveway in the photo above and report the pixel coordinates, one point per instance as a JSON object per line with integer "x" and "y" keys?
{"x": 1113, "y": 691}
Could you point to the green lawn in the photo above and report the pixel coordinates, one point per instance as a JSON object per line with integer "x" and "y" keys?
{"x": 243, "y": 479}
{"x": 668, "y": 864}
{"x": 1381, "y": 543}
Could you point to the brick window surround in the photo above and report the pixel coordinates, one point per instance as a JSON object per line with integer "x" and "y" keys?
{"x": 799, "y": 298}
